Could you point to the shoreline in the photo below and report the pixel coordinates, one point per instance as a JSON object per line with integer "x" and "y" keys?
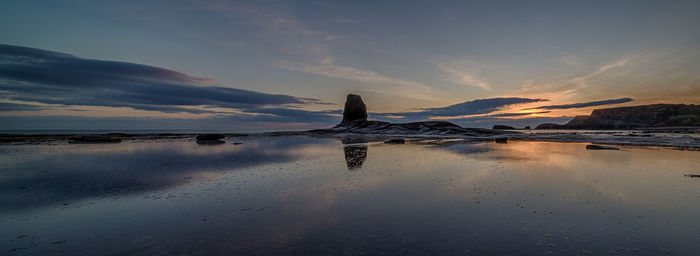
{"x": 676, "y": 140}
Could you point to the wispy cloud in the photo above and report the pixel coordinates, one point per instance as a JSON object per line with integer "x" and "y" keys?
{"x": 572, "y": 60}
{"x": 330, "y": 69}
{"x": 585, "y": 104}
{"x": 568, "y": 86}
{"x": 463, "y": 72}
{"x": 580, "y": 81}
{"x": 309, "y": 51}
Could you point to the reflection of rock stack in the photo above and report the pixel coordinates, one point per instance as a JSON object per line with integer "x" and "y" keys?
{"x": 355, "y": 155}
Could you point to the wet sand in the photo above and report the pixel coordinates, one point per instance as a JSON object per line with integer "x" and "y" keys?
{"x": 309, "y": 195}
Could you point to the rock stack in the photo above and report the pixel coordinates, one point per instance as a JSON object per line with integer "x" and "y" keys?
{"x": 355, "y": 109}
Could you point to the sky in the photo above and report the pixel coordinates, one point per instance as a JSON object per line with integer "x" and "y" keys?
{"x": 287, "y": 65}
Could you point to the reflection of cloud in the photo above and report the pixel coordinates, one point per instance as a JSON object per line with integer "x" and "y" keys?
{"x": 586, "y": 104}
{"x": 59, "y": 174}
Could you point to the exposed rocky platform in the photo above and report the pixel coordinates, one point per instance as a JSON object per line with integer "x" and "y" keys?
{"x": 414, "y": 128}
{"x": 355, "y": 121}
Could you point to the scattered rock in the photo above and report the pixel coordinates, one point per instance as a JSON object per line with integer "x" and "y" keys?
{"x": 501, "y": 140}
{"x": 395, "y": 141}
{"x": 210, "y": 137}
{"x": 355, "y": 109}
{"x": 692, "y": 175}
{"x": 601, "y": 147}
{"x": 94, "y": 139}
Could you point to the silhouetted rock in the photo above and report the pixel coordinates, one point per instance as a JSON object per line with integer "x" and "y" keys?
{"x": 94, "y": 139}
{"x": 503, "y": 127}
{"x": 657, "y": 115}
{"x": 395, "y": 141}
{"x": 501, "y": 140}
{"x": 355, "y": 121}
{"x": 423, "y": 128}
{"x": 527, "y": 128}
{"x": 210, "y": 137}
{"x": 601, "y": 147}
{"x": 210, "y": 142}
{"x": 550, "y": 126}
{"x": 355, "y": 155}
{"x": 355, "y": 109}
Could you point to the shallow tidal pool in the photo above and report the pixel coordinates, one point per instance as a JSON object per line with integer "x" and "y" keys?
{"x": 297, "y": 195}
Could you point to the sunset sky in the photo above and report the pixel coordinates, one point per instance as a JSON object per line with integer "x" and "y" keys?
{"x": 268, "y": 65}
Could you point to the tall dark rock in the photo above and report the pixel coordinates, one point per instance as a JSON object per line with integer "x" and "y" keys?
{"x": 355, "y": 109}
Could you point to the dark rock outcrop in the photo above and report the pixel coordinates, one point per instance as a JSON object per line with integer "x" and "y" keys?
{"x": 503, "y": 127}
{"x": 550, "y": 126}
{"x": 501, "y": 140}
{"x": 414, "y": 128}
{"x": 657, "y": 115}
{"x": 355, "y": 121}
{"x": 95, "y": 139}
{"x": 601, "y": 147}
{"x": 355, "y": 109}
{"x": 395, "y": 141}
{"x": 210, "y": 137}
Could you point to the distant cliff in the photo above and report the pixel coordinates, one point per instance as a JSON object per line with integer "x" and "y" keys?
{"x": 657, "y": 115}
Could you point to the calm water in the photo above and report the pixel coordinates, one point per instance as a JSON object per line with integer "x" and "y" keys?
{"x": 301, "y": 195}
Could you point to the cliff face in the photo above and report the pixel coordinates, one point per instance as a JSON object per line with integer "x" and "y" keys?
{"x": 657, "y": 115}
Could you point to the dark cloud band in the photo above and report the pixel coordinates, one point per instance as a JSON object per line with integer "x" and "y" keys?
{"x": 35, "y": 75}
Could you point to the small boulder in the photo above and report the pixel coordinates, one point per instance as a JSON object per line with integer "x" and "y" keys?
{"x": 395, "y": 141}
{"x": 95, "y": 139}
{"x": 601, "y": 147}
{"x": 210, "y": 137}
{"x": 210, "y": 142}
{"x": 501, "y": 140}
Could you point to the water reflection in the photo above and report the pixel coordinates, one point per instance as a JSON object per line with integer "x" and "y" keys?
{"x": 294, "y": 196}
{"x": 38, "y": 175}
{"x": 355, "y": 155}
